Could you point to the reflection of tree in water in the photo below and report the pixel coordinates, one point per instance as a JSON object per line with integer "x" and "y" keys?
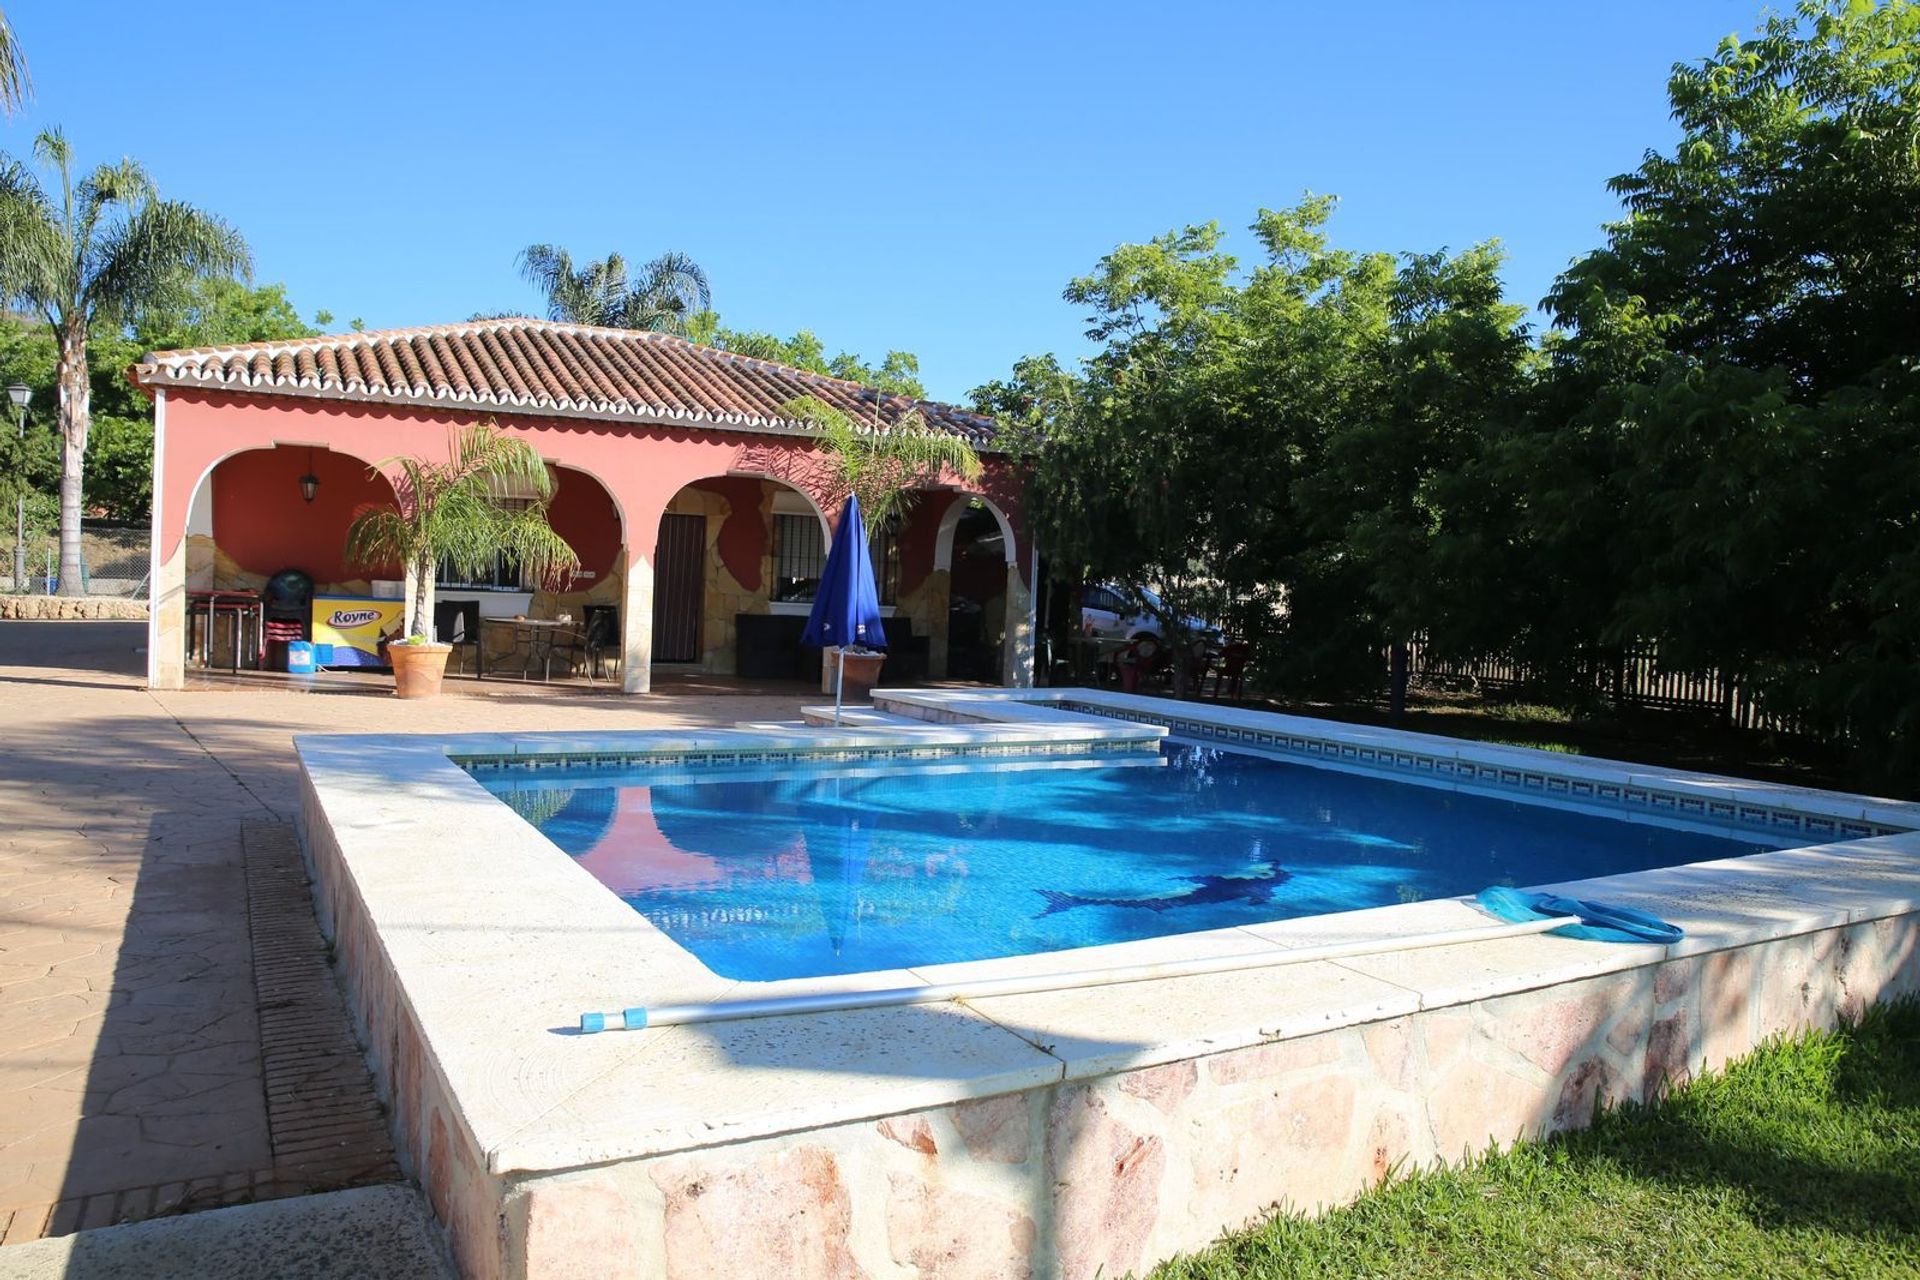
{"x": 575, "y": 818}
{"x": 537, "y": 807}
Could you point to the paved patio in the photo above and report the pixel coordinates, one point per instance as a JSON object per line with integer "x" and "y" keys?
{"x": 170, "y": 1038}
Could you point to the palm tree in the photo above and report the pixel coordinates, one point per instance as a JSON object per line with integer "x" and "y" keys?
{"x": 883, "y": 466}
{"x": 15, "y": 85}
{"x": 97, "y": 253}
{"x": 670, "y": 291}
{"x": 451, "y": 512}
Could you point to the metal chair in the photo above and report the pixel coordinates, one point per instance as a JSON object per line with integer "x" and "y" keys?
{"x": 457, "y": 622}
{"x": 602, "y": 634}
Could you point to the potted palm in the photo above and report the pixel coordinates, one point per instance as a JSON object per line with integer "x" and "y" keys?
{"x": 453, "y": 513}
{"x": 883, "y": 467}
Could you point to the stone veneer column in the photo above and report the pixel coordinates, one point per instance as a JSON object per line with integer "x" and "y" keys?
{"x": 1017, "y": 646}
{"x": 166, "y": 579}
{"x": 636, "y": 623}
{"x": 167, "y": 622}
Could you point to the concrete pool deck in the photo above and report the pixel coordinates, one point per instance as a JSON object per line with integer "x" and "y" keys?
{"x": 135, "y": 1076}
{"x": 1072, "y": 1132}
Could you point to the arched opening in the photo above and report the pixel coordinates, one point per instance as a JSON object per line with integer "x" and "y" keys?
{"x": 250, "y": 518}
{"x": 735, "y": 565}
{"x": 977, "y": 598}
{"x": 974, "y": 564}
{"x": 258, "y": 512}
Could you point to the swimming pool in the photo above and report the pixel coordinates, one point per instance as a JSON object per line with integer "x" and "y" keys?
{"x": 806, "y": 870}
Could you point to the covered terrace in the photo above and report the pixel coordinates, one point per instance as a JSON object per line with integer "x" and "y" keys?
{"x": 700, "y": 512}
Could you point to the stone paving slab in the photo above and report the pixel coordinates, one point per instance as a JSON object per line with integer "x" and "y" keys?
{"x": 343, "y": 1235}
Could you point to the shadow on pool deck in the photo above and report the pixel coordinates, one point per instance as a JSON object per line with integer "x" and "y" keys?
{"x": 131, "y": 1063}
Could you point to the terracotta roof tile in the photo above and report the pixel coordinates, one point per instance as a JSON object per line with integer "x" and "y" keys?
{"x": 543, "y": 367}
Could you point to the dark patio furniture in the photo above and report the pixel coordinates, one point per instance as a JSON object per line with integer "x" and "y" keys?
{"x": 1233, "y": 666}
{"x": 602, "y": 635}
{"x": 457, "y": 622}
{"x": 286, "y": 615}
{"x": 203, "y": 611}
{"x": 545, "y": 639}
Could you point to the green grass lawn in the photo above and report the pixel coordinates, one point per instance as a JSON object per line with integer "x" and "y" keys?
{"x": 1801, "y": 1160}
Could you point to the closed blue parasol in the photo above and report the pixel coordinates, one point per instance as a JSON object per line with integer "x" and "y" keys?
{"x": 846, "y": 606}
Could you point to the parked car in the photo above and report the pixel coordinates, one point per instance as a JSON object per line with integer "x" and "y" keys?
{"x": 1106, "y": 615}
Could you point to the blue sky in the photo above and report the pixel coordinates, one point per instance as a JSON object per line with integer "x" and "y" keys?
{"x": 924, "y": 177}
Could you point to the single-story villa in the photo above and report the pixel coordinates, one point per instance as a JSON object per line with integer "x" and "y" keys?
{"x": 701, "y": 514}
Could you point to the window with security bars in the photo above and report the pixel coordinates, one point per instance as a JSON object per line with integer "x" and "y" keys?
{"x": 799, "y": 556}
{"x": 502, "y": 575}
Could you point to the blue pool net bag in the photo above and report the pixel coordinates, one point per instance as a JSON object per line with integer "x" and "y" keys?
{"x": 1599, "y": 921}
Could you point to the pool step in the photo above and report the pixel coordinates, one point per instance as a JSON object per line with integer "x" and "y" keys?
{"x": 852, "y": 717}
{"x": 858, "y": 717}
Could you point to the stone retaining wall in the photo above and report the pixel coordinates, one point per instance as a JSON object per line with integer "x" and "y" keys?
{"x": 1108, "y": 1176}
{"x": 70, "y": 608}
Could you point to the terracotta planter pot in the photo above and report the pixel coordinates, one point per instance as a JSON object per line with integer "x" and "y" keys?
{"x": 418, "y": 669}
{"x": 863, "y": 672}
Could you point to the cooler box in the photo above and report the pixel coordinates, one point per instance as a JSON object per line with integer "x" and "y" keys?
{"x": 300, "y": 657}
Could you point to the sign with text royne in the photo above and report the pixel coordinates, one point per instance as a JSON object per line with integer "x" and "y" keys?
{"x": 355, "y": 626}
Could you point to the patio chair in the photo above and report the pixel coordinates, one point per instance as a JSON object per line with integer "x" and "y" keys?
{"x": 602, "y": 634}
{"x": 1233, "y": 665}
{"x": 457, "y": 622}
{"x": 1199, "y": 664}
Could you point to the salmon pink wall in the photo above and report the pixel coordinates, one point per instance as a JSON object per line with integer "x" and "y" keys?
{"x": 641, "y": 467}
{"x": 744, "y": 534}
{"x": 262, "y": 523}
{"x": 582, "y": 512}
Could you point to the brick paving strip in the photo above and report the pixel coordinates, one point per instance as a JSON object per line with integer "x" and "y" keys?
{"x": 327, "y": 1129}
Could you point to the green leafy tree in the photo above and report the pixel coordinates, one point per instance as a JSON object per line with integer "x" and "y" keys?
{"x": 96, "y": 253}
{"x": 898, "y": 373}
{"x": 1282, "y": 450}
{"x": 667, "y": 293}
{"x": 1136, "y": 482}
{"x": 119, "y": 476}
{"x": 1725, "y": 454}
{"x": 1439, "y": 367}
{"x": 450, "y": 512}
{"x": 217, "y": 312}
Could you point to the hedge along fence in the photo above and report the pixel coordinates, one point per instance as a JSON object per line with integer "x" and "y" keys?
{"x": 1631, "y": 678}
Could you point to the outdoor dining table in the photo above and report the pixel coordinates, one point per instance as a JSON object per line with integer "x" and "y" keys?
{"x": 541, "y": 634}
{"x": 247, "y": 611}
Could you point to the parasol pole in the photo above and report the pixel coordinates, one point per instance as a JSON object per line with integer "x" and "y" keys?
{"x": 839, "y": 684}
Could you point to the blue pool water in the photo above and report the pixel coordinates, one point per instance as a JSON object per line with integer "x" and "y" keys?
{"x": 795, "y": 871}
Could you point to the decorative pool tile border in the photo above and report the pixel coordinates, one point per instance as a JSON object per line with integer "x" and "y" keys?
{"x": 1586, "y": 790}
{"x": 479, "y": 763}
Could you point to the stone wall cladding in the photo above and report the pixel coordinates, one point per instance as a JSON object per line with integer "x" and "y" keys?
{"x": 1101, "y": 1177}
{"x": 431, "y": 1140}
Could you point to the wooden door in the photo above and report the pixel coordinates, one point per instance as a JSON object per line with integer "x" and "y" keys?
{"x": 679, "y": 588}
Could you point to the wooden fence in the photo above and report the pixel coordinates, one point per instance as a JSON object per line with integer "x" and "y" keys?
{"x": 1630, "y": 678}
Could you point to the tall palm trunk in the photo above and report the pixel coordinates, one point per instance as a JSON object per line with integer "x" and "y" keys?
{"x": 76, "y": 416}
{"x": 419, "y": 620}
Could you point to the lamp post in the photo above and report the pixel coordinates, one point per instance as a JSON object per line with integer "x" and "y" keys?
{"x": 20, "y": 393}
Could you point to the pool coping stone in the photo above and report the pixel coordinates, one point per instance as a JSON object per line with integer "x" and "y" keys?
{"x": 495, "y": 952}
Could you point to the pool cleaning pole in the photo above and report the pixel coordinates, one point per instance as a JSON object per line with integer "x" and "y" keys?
{"x": 666, "y": 1015}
